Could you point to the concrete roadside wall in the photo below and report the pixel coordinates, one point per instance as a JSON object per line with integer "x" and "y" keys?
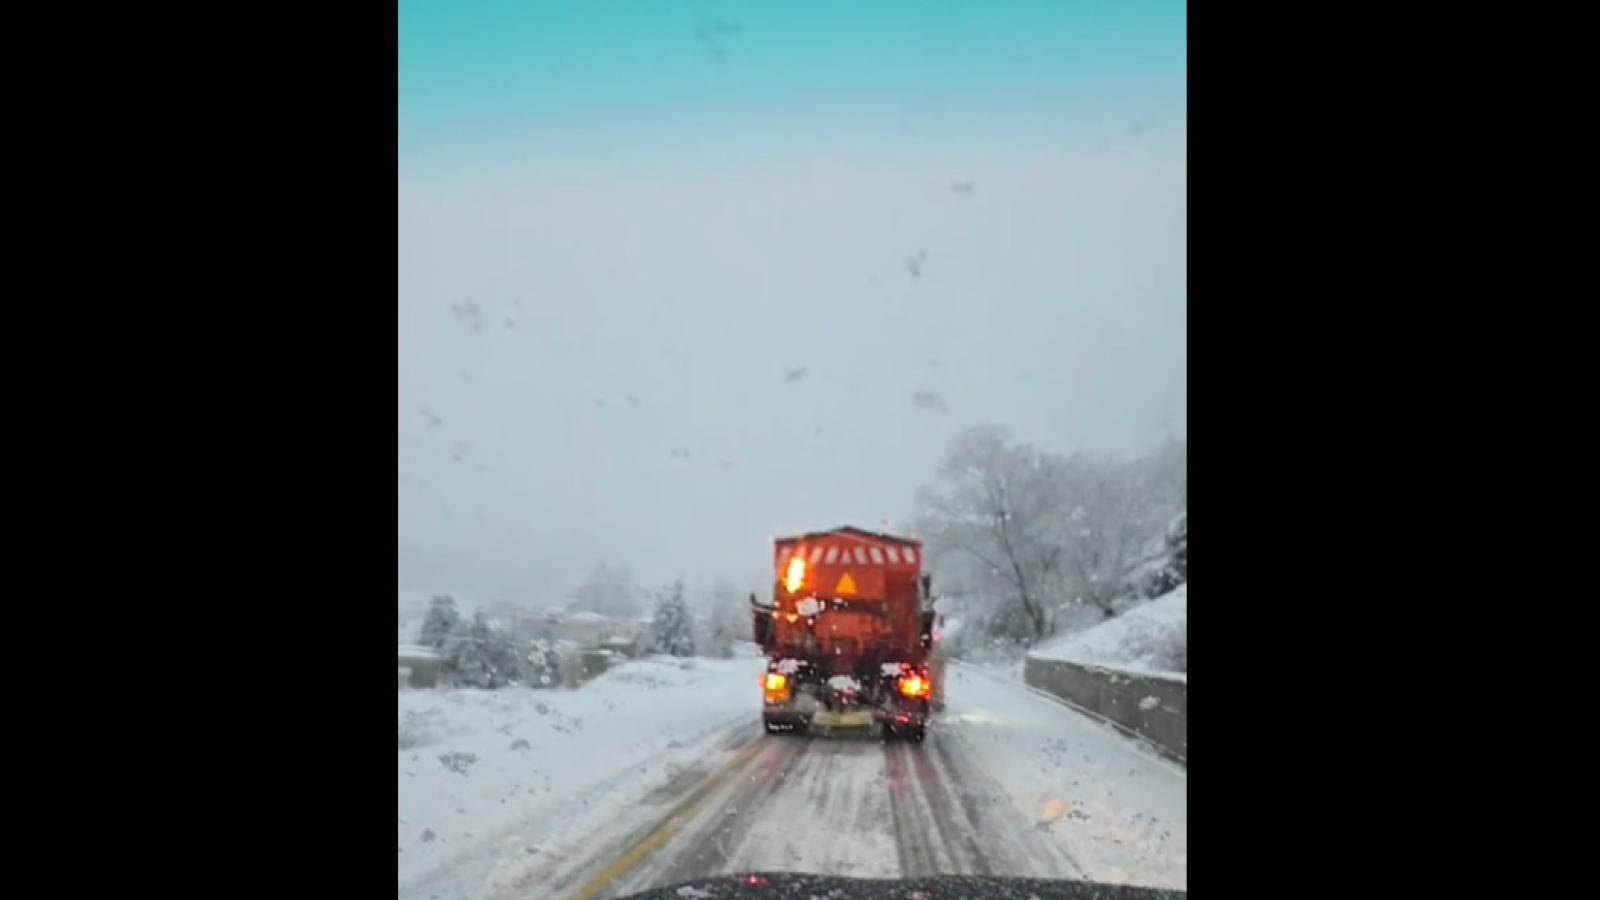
{"x": 1151, "y": 706}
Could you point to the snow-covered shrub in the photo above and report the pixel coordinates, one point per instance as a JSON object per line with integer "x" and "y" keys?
{"x": 441, "y": 620}
{"x": 479, "y": 655}
{"x": 672, "y": 628}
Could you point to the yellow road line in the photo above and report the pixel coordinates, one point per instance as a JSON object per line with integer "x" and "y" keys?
{"x": 680, "y": 817}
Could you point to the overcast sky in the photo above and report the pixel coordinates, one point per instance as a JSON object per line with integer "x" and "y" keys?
{"x": 670, "y": 288}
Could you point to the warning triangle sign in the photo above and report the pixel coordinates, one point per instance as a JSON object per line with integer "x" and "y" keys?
{"x": 846, "y": 586}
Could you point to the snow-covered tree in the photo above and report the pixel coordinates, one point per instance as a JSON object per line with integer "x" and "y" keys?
{"x": 1117, "y": 512}
{"x": 441, "y": 620}
{"x": 999, "y": 505}
{"x": 724, "y": 618}
{"x": 1174, "y": 569}
{"x": 1034, "y": 537}
{"x": 607, "y": 591}
{"x": 1178, "y": 540}
{"x": 479, "y": 655}
{"x": 671, "y": 627}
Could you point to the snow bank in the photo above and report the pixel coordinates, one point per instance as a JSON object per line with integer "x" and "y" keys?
{"x": 1150, "y": 638}
{"x": 480, "y": 766}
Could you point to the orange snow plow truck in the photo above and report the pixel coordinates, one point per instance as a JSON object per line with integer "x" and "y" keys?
{"x": 850, "y": 636}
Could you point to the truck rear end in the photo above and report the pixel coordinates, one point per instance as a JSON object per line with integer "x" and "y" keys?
{"x": 848, "y": 635}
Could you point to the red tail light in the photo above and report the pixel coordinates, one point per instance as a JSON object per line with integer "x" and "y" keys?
{"x": 775, "y": 682}
{"x": 915, "y": 686}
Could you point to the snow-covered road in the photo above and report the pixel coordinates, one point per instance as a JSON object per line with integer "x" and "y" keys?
{"x": 1007, "y": 783}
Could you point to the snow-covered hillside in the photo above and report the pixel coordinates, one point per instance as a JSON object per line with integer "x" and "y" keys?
{"x": 1152, "y": 637}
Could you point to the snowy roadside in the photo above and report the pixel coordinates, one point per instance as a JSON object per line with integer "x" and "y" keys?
{"x": 1117, "y": 807}
{"x": 1010, "y": 669}
{"x": 475, "y": 765}
{"x": 1150, "y": 639}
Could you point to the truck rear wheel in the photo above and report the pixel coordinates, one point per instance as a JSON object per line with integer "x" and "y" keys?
{"x": 910, "y": 733}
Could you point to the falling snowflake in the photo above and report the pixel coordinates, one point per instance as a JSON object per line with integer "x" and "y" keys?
{"x": 929, "y": 401}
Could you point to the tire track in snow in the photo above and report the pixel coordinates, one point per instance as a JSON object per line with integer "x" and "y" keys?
{"x": 838, "y": 812}
{"x": 992, "y": 817}
{"x": 607, "y": 871}
{"x": 872, "y": 807}
{"x": 821, "y": 804}
{"x": 733, "y": 740}
{"x": 794, "y": 816}
{"x": 825, "y": 804}
{"x": 958, "y": 829}
{"x": 911, "y": 823}
{"x": 706, "y": 847}
{"x": 820, "y": 788}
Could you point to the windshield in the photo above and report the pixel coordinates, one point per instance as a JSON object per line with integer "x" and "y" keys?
{"x": 792, "y": 414}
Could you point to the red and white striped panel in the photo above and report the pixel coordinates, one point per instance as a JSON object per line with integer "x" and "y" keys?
{"x": 837, "y": 552}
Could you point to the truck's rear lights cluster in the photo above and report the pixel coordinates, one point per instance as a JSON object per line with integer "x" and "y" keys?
{"x": 775, "y": 688}
{"x": 915, "y": 686}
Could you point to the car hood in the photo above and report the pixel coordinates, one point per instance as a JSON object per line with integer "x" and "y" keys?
{"x": 794, "y": 886}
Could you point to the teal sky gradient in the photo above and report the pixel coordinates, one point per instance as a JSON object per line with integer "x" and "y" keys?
{"x": 558, "y": 73}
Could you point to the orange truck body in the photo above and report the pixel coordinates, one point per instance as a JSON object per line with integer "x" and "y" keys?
{"x": 854, "y": 605}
